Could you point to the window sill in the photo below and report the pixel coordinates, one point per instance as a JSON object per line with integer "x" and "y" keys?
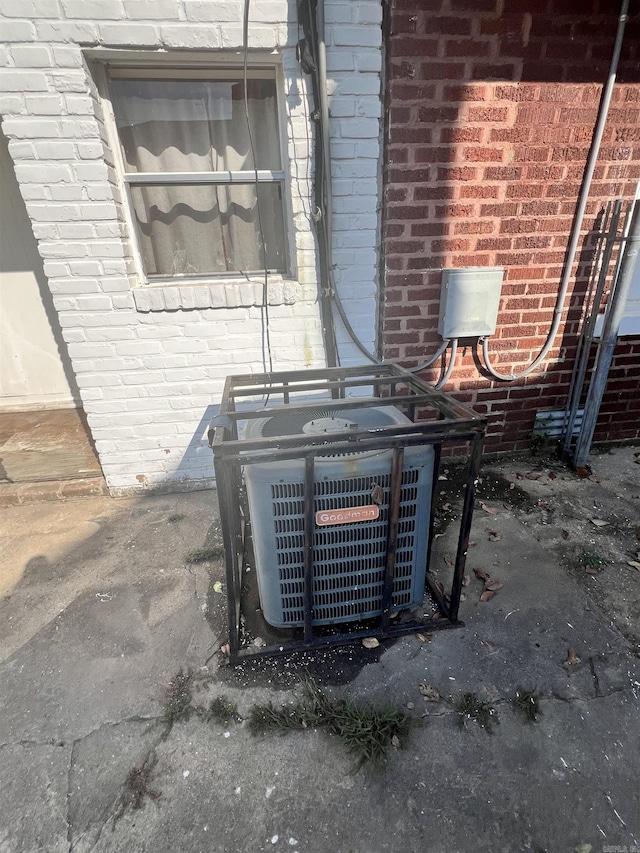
{"x": 221, "y": 294}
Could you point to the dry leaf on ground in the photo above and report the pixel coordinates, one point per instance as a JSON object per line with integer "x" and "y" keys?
{"x": 487, "y": 595}
{"x": 428, "y": 692}
{"x": 572, "y": 658}
{"x": 493, "y": 586}
{"x": 370, "y": 643}
{"x": 494, "y": 536}
{"x": 599, "y": 522}
{"x": 424, "y": 638}
{"x": 489, "y": 509}
{"x": 481, "y": 575}
{"x": 634, "y": 563}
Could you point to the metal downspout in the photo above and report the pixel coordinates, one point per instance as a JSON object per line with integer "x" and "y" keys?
{"x": 323, "y": 190}
{"x": 587, "y": 336}
{"x": 613, "y": 317}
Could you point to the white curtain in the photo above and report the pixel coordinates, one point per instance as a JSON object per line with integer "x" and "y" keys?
{"x": 195, "y": 126}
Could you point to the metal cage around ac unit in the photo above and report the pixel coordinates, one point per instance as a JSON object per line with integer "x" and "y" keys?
{"x": 310, "y": 446}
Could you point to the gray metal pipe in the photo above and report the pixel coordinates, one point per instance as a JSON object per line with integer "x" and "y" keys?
{"x": 613, "y": 316}
{"x": 603, "y": 112}
{"x": 587, "y": 335}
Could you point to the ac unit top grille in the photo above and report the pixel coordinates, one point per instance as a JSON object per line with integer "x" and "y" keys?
{"x": 317, "y": 421}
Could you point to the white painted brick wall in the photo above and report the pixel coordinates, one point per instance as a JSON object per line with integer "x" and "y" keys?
{"x": 150, "y": 367}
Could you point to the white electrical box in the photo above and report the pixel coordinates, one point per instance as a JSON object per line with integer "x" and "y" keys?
{"x": 469, "y": 302}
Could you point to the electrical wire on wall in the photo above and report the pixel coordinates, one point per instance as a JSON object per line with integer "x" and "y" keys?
{"x": 308, "y": 56}
{"x": 264, "y": 308}
{"x": 311, "y": 55}
{"x": 603, "y": 112}
{"x": 312, "y": 48}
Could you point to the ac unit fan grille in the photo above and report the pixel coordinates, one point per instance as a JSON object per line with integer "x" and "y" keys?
{"x": 349, "y": 560}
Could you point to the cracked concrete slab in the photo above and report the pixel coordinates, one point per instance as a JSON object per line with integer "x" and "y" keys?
{"x": 33, "y": 794}
{"x": 91, "y": 634}
{"x": 133, "y": 612}
{"x": 523, "y": 788}
{"x": 100, "y": 765}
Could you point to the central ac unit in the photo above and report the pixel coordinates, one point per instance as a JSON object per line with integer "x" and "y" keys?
{"x": 348, "y": 556}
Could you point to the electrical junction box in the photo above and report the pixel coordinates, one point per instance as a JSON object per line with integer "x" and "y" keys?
{"x": 469, "y": 302}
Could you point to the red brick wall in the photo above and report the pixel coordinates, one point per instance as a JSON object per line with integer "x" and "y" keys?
{"x": 491, "y": 106}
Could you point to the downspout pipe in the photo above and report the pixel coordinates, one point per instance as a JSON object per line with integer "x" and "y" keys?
{"x": 309, "y": 55}
{"x": 613, "y": 317}
{"x": 587, "y": 334}
{"x": 603, "y": 112}
{"x": 326, "y": 210}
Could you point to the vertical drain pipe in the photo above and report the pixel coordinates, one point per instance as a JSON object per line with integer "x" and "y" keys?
{"x": 324, "y": 197}
{"x": 587, "y": 334}
{"x": 613, "y": 317}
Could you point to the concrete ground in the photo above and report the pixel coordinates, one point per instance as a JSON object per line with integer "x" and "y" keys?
{"x": 101, "y": 608}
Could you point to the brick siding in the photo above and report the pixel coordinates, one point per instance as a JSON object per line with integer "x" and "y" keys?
{"x": 490, "y": 113}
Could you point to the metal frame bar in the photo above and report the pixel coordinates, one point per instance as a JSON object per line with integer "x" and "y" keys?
{"x": 454, "y": 423}
{"x": 395, "y": 489}
{"x": 247, "y": 177}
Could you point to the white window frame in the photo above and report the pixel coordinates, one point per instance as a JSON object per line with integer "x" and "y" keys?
{"x": 138, "y": 64}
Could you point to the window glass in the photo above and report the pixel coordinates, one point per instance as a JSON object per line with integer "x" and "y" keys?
{"x": 170, "y": 126}
{"x": 196, "y": 125}
{"x": 211, "y": 229}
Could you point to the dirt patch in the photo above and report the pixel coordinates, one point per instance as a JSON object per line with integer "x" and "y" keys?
{"x": 592, "y": 525}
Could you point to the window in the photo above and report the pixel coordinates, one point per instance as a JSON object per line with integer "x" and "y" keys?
{"x": 630, "y": 322}
{"x": 201, "y": 206}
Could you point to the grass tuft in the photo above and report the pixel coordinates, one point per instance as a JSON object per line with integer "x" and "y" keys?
{"x": 592, "y": 562}
{"x": 527, "y": 704}
{"x": 205, "y": 555}
{"x": 223, "y": 711}
{"x": 366, "y": 731}
{"x": 469, "y": 707}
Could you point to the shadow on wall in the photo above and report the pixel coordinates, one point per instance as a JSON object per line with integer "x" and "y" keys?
{"x": 197, "y": 459}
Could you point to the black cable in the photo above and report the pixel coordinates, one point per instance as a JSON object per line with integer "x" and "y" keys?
{"x": 264, "y": 312}
{"x": 308, "y": 54}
